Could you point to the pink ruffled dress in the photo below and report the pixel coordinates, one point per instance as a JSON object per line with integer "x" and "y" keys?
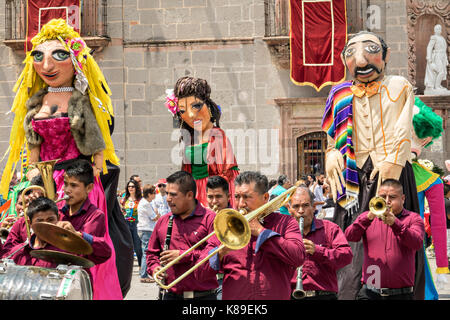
{"x": 58, "y": 143}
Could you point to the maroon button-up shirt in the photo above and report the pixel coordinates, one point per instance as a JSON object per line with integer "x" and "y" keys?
{"x": 23, "y": 256}
{"x": 332, "y": 252}
{"x": 263, "y": 269}
{"x": 185, "y": 233}
{"x": 90, "y": 221}
{"x": 390, "y": 248}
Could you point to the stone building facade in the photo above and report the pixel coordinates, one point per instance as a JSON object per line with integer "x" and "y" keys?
{"x": 241, "y": 48}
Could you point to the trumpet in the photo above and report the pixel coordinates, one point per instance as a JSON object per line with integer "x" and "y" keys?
{"x": 378, "y": 206}
{"x": 299, "y": 293}
{"x": 232, "y": 229}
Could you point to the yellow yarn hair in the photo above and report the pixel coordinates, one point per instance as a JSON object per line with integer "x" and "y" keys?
{"x": 29, "y": 83}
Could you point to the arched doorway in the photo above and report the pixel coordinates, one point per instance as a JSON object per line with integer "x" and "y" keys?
{"x": 311, "y": 149}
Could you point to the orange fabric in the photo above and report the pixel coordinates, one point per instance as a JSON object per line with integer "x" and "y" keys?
{"x": 361, "y": 89}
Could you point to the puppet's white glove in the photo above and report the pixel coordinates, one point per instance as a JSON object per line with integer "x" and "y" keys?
{"x": 441, "y": 281}
{"x": 334, "y": 165}
{"x": 387, "y": 170}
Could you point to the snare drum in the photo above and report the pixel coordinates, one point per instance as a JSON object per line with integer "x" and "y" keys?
{"x": 36, "y": 283}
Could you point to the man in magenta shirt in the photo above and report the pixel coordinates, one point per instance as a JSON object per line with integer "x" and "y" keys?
{"x": 327, "y": 249}
{"x": 79, "y": 215}
{"x": 191, "y": 223}
{"x": 263, "y": 269}
{"x": 390, "y": 244}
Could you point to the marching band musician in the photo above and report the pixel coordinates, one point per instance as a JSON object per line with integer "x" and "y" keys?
{"x": 390, "y": 245}
{"x": 39, "y": 210}
{"x": 191, "y": 223}
{"x": 18, "y": 233}
{"x": 261, "y": 270}
{"x": 217, "y": 193}
{"x": 326, "y": 247}
{"x": 81, "y": 216}
{"x": 218, "y": 197}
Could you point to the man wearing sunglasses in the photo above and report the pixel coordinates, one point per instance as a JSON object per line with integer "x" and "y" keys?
{"x": 161, "y": 198}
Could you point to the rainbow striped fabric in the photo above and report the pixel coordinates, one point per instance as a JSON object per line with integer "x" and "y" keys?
{"x": 337, "y": 122}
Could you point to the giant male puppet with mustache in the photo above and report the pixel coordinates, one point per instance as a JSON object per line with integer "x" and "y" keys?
{"x": 369, "y": 123}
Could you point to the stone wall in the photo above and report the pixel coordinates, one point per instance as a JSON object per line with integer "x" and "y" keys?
{"x": 154, "y": 42}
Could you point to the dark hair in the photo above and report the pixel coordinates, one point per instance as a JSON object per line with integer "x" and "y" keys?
{"x": 138, "y": 193}
{"x": 215, "y": 182}
{"x": 260, "y": 180}
{"x": 392, "y": 183}
{"x": 41, "y": 204}
{"x": 382, "y": 42}
{"x": 134, "y": 176}
{"x": 184, "y": 180}
{"x": 282, "y": 179}
{"x": 446, "y": 188}
{"x": 190, "y": 86}
{"x": 148, "y": 189}
{"x": 313, "y": 176}
{"x": 272, "y": 183}
{"x": 37, "y": 181}
{"x": 81, "y": 169}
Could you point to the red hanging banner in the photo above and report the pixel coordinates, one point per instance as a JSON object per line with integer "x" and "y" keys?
{"x": 318, "y": 33}
{"x": 39, "y": 12}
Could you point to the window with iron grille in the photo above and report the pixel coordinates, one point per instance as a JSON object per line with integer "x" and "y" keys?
{"x": 277, "y": 16}
{"x": 311, "y": 153}
{"x": 93, "y": 22}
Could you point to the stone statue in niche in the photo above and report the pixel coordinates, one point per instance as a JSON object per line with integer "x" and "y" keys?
{"x": 437, "y": 61}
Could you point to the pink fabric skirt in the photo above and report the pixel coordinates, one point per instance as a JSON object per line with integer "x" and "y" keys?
{"x": 105, "y": 280}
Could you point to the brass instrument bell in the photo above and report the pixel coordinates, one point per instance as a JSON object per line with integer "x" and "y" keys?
{"x": 378, "y": 206}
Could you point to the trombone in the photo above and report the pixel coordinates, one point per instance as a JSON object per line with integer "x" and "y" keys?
{"x": 233, "y": 231}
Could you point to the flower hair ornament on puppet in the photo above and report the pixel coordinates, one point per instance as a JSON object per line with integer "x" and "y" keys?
{"x": 87, "y": 78}
{"x": 171, "y": 102}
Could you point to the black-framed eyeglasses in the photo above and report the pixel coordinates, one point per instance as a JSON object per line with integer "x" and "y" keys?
{"x": 161, "y": 185}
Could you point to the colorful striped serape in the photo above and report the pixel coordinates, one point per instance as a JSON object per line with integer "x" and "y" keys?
{"x": 337, "y": 122}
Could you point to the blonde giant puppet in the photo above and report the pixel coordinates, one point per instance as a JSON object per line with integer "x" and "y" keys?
{"x": 63, "y": 111}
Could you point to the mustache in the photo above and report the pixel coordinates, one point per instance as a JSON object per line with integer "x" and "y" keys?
{"x": 365, "y": 68}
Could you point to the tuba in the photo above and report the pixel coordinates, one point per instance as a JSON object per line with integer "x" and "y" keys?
{"x": 232, "y": 229}
{"x": 46, "y": 170}
{"x": 299, "y": 293}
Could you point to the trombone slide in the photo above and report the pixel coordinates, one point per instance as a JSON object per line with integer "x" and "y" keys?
{"x": 233, "y": 231}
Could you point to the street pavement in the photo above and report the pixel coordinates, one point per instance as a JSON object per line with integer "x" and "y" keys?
{"x": 149, "y": 291}
{"x": 139, "y": 290}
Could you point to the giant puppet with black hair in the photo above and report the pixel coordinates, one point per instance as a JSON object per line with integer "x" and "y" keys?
{"x": 368, "y": 121}
{"x": 427, "y": 128}
{"x": 207, "y": 150}
{"x": 63, "y": 112}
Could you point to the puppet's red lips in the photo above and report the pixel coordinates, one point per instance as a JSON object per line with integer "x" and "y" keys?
{"x": 50, "y": 75}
